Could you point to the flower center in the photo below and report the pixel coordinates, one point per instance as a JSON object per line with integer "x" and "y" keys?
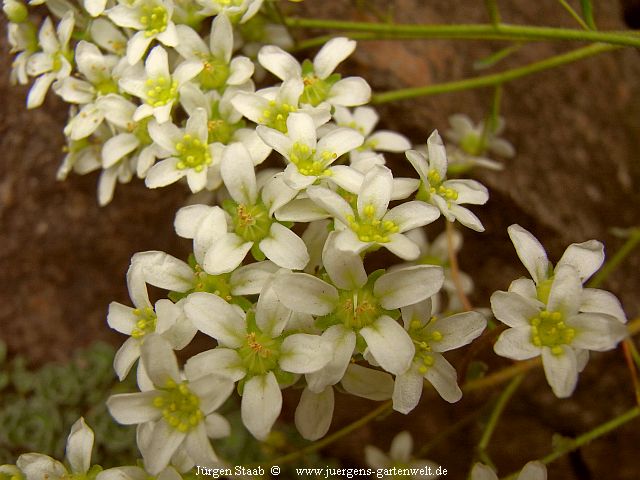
{"x": 145, "y": 323}
{"x": 549, "y": 330}
{"x": 161, "y": 90}
{"x": 106, "y": 86}
{"x": 180, "y": 408}
{"x": 276, "y": 114}
{"x": 307, "y": 162}
{"x": 91, "y": 474}
{"x": 251, "y": 222}
{"x": 315, "y": 90}
{"x": 154, "y": 18}
{"x": 217, "y": 284}
{"x": 192, "y": 153}
{"x": 422, "y": 340}
{"x": 357, "y": 309}
{"x": 473, "y": 144}
{"x": 435, "y": 188}
{"x": 371, "y": 229}
{"x": 214, "y": 74}
{"x": 259, "y": 353}
{"x": 140, "y": 130}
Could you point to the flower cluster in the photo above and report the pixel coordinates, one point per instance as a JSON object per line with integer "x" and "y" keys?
{"x": 280, "y": 282}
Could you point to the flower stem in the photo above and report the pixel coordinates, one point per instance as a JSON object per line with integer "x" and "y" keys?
{"x": 494, "y": 13}
{"x": 587, "y": 437}
{"x": 499, "y": 31}
{"x": 574, "y": 14}
{"x": 493, "y": 79}
{"x": 455, "y": 270}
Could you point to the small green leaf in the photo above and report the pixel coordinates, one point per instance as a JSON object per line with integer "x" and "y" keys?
{"x": 587, "y": 13}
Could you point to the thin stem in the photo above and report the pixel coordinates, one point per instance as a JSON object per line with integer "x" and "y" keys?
{"x": 494, "y": 13}
{"x": 493, "y": 79}
{"x": 501, "y": 31}
{"x": 628, "y": 357}
{"x": 499, "y": 407}
{"x": 491, "y": 122}
{"x": 330, "y": 438}
{"x": 455, "y": 270}
{"x": 501, "y": 376}
{"x": 587, "y": 437}
{"x": 615, "y": 261}
{"x": 574, "y": 14}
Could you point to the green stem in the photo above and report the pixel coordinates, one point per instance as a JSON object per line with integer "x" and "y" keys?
{"x": 471, "y": 31}
{"x": 585, "y": 438}
{"x": 491, "y": 122}
{"x": 494, "y": 13}
{"x": 631, "y": 243}
{"x": 499, "y": 407}
{"x": 493, "y": 79}
{"x": 573, "y": 13}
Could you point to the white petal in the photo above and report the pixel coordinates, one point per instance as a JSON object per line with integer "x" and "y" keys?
{"x": 198, "y": 446}
{"x": 389, "y": 141}
{"x": 280, "y": 63}
{"x": 125, "y": 357}
{"x": 419, "y": 163}
{"x": 314, "y": 413}
{"x": 533, "y": 471}
{"x": 339, "y": 141}
{"x": 469, "y": 191}
{"x": 222, "y": 361}
{"x": 531, "y": 253}
{"x": 524, "y": 287}
{"x": 561, "y": 371}
{"x": 343, "y": 341}
{"x": 367, "y": 383}
{"x": 226, "y": 254}
{"x": 566, "y": 290}
{"x": 212, "y": 390}
{"x": 164, "y": 173}
{"x": 304, "y": 353}
{"x": 186, "y": 71}
{"x": 375, "y": 192}
{"x": 596, "y": 331}
{"x": 331, "y": 202}
{"x": 466, "y": 217}
{"x": 601, "y": 301}
{"x": 238, "y": 174}
{"x": 137, "y": 46}
{"x": 408, "y": 285}
{"x": 216, "y": 318}
{"x": 284, "y": 248}
{"x": 389, "y": 344}
{"x": 401, "y": 447}
{"x": 121, "y": 318}
{"x": 515, "y": 343}
{"x": 116, "y": 148}
{"x": 407, "y": 391}
{"x": 346, "y": 177}
{"x": 36, "y": 466}
{"x": 305, "y": 293}
{"x": 159, "y": 360}
{"x": 414, "y": 214}
{"x": 331, "y": 54}
{"x": 437, "y": 154}
{"x": 458, "y": 330}
{"x": 217, "y": 426}
{"x": 39, "y": 90}
{"x": 240, "y": 71}
{"x": 349, "y": 92}
{"x": 164, "y": 442}
{"x": 261, "y": 404}
{"x": 513, "y": 309}
{"x": 270, "y": 313}
{"x": 482, "y": 472}
{"x": 133, "y": 408}
{"x": 345, "y": 268}
{"x": 401, "y": 246}
{"x": 375, "y": 457}
{"x": 443, "y": 377}
{"x": 221, "y": 40}
{"x": 164, "y": 271}
{"x": 79, "y": 446}
{"x": 249, "y": 279}
{"x": 586, "y": 257}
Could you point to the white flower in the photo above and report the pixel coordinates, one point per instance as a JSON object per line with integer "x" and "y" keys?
{"x": 107, "y": 36}
{"x": 137, "y": 473}
{"x": 308, "y": 158}
{"x": 555, "y": 317}
{"x": 364, "y": 120}
{"x": 355, "y": 305}
{"x": 152, "y": 19}
{"x": 54, "y": 62}
{"x": 531, "y": 471}
{"x": 272, "y": 106}
{"x": 255, "y": 349}
{"x": 320, "y": 83}
{"x": 472, "y": 142}
{"x": 167, "y": 319}
{"x": 400, "y": 457}
{"x": 155, "y": 85}
{"x": 239, "y": 11}
{"x": 251, "y": 225}
{"x": 23, "y": 41}
{"x": 179, "y": 412}
{"x": 445, "y": 194}
{"x": 188, "y": 154}
{"x": 219, "y": 69}
{"x": 35, "y": 466}
{"x": 432, "y": 336}
{"x": 370, "y": 223}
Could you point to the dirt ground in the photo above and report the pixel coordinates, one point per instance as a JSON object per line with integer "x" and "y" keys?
{"x": 576, "y": 175}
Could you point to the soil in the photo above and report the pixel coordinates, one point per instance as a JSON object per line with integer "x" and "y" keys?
{"x": 575, "y": 177}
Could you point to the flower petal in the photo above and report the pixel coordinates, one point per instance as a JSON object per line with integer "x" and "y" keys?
{"x": 389, "y": 344}
{"x": 561, "y": 370}
{"x": 444, "y": 379}
{"x": 226, "y": 254}
{"x": 407, "y": 391}
{"x": 601, "y": 301}
{"x": 566, "y": 290}
{"x": 513, "y": 309}
{"x": 304, "y": 353}
{"x": 305, "y": 293}
{"x": 375, "y": 193}
{"x": 331, "y": 54}
{"x": 408, "y": 285}
{"x": 586, "y": 257}
{"x": 343, "y": 341}
{"x": 216, "y": 318}
{"x": 79, "y": 447}
{"x": 367, "y": 383}
{"x": 261, "y": 404}
{"x": 284, "y": 248}
{"x": 457, "y": 330}
{"x": 596, "y": 331}
{"x": 414, "y": 214}
{"x": 133, "y": 408}
{"x": 515, "y": 343}
{"x": 531, "y": 253}
{"x": 159, "y": 360}
{"x": 314, "y": 413}
{"x": 164, "y": 443}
